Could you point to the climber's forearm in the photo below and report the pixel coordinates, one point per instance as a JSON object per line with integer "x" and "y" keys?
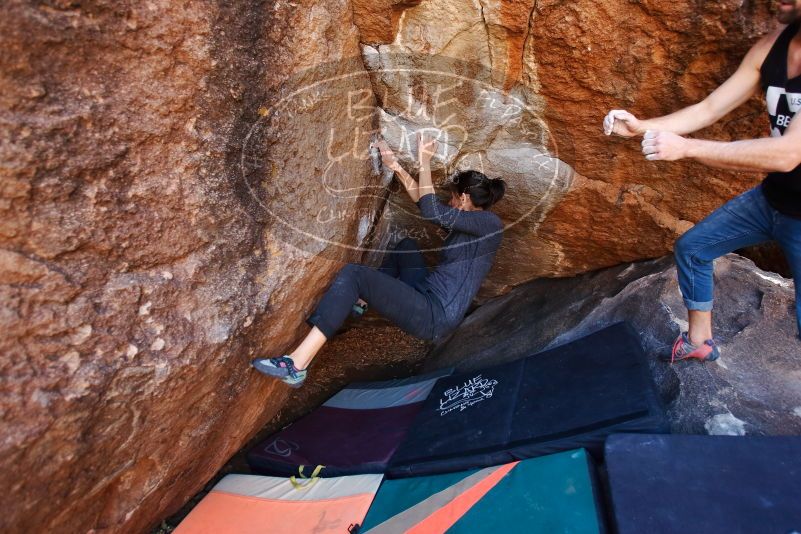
{"x": 425, "y": 185}
{"x": 682, "y": 122}
{"x": 412, "y": 187}
{"x": 769, "y": 154}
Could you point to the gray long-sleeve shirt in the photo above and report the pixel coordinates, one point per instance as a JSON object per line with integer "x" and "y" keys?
{"x": 466, "y": 257}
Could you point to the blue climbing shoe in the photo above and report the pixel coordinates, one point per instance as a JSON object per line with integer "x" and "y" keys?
{"x": 282, "y": 368}
{"x": 358, "y": 310}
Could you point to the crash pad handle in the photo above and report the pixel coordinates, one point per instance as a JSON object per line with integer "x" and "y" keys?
{"x": 308, "y": 482}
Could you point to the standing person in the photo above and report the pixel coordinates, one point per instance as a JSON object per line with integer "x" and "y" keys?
{"x": 770, "y": 211}
{"x": 425, "y": 305}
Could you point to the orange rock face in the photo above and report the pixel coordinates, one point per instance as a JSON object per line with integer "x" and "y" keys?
{"x": 378, "y": 20}
{"x": 154, "y": 185}
{"x": 570, "y": 63}
{"x": 651, "y": 58}
{"x": 181, "y": 182}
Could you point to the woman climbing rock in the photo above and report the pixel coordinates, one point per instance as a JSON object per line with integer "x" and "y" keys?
{"x": 425, "y": 305}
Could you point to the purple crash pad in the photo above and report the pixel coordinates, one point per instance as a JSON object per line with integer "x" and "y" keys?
{"x": 354, "y": 432}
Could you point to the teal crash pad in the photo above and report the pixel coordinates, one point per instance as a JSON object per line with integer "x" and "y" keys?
{"x": 555, "y": 493}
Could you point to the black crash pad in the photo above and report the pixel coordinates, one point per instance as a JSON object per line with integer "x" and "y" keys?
{"x": 709, "y": 484}
{"x": 565, "y": 398}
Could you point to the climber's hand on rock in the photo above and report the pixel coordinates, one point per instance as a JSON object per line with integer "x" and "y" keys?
{"x": 426, "y": 147}
{"x": 388, "y": 158}
{"x": 663, "y": 146}
{"x": 621, "y": 122}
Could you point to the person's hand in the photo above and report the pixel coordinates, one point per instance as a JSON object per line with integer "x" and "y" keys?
{"x": 388, "y": 158}
{"x": 663, "y": 146}
{"x": 622, "y": 123}
{"x": 426, "y": 147}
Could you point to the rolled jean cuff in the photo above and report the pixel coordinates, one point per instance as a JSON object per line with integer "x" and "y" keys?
{"x": 327, "y": 330}
{"x": 698, "y": 306}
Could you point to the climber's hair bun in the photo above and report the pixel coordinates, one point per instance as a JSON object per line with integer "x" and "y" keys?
{"x": 483, "y": 191}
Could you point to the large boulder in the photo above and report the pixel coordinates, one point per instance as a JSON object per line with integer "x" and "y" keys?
{"x": 533, "y": 80}
{"x": 752, "y": 389}
{"x": 181, "y": 182}
{"x": 154, "y": 182}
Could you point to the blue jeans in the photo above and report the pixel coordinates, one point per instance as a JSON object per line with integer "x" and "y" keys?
{"x": 743, "y": 221}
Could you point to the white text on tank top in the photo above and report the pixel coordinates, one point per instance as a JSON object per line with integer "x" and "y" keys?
{"x": 782, "y": 107}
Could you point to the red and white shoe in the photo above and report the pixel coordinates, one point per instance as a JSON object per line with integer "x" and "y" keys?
{"x": 683, "y": 349}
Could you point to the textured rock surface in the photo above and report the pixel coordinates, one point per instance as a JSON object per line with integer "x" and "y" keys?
{"x": 566, "y": 64}
{"x": 169, "y": 206}
{"x": 138, "y": 274}
{"x": 753, "y": 388}
{"x": 377, "y": 20}
{"x": 675, "y": 54}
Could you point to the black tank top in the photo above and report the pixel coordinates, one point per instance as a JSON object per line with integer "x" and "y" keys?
{"x": 783, "y": 96}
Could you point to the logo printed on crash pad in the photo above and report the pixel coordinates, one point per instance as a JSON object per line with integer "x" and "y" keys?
{"x": 281, "y": 447}
{"x": 471, "y": 392}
